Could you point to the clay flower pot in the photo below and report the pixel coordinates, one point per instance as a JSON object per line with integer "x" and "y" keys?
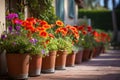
{"x": 35, "y": 65}
{"x": 78, "y": 58}
{"x": 86, "y": 53}
{"x": 48, "y": 62}
{"x": 3, "y": 66}
{"x": 61, "y": 60}
{"x": 71, "y": 59}
{"x": 18, "y": 65}
{"x": 95, "y": 51}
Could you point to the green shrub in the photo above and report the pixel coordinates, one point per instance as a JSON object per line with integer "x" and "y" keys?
{"x": 101, "y": 19}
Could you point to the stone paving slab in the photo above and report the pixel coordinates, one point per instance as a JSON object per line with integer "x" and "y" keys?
{"x": 104, "y": 67}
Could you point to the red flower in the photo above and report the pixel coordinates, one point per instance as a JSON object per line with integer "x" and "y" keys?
{"x": 95, "y": 33}
{"x": 31, "y": 20}
{"x": 89, "y": 29}
{"x": 80, "y": 28}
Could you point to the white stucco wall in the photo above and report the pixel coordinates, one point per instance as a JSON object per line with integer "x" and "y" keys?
{"x": 2, "y": 15}
{"x": 3, "y": 68}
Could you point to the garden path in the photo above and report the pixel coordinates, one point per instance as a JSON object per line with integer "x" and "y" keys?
{"x": 104, "y": 67}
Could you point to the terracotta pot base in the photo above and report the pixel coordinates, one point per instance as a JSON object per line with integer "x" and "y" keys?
{"x": 22, "y": 76}
{"x": 86, "y": 53}
{"x": 61, "y": 60}
{"x": 60, "y": 68}
{"x": 35, "y": 73}
{"x": 17, "y": 65}
{"x": 48, "y": 70}
{"x": 48, "y": 63}
{"x": 70, "y": 65}
{"x": 35, "y": 65}
{"x": 70, "y": 61}
{"x": 78, "y": 58}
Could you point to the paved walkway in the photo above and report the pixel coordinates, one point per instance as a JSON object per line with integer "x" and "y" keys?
{"x": 104, "y": 67}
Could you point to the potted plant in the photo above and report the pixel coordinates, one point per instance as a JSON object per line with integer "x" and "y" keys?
{"x": 59, "y": 32}
{"x": 78, "y": 45}
{"x": 17, "y": 46}
{"x": 3, "y": 66}
{"x": 36, "y": 57}
{"x": 87, "y": 45}
{"x": 48, "y": 63}
{"x": 63, "y": 50}
{"x": 73, "y": 35}
{"x": 37, "y": 31}
{"x": 85, "y": 40}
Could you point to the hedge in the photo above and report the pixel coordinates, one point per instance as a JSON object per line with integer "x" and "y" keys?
{"x": 101, "y": 19}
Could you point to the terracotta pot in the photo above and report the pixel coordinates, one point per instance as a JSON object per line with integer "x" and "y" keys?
{"x": 99, "y": 50}
{"x": 3, "y": 65}
{"x": 35, "y": 65}
{"x": 91, "y": 54}
{"x": 86, "y": 53}
{"x": 71, "y": 59}
{"x": 78, "y": 58}
{"x": 61, "y": 60}
{"x": 48, "y": 63}
{"x": 103, "y": 49}
{"x": 95, "y": 51}
{"x": 18, "y": 65}
{"x": 0, "y": 65}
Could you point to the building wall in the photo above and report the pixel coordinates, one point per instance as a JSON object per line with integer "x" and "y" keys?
{"x": 3, "y": 68}
{"x": 2, "y": 15}
{"x": 67, "y": 19}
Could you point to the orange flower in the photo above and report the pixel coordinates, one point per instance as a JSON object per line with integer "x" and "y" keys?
{"x": 43, "y": 34}
{"x": 46, "y": 26}
{"x": 40, "y": 29}
{"x": 63, "y": 31}
{"x": 59, "y": 23}
{"x": 84, "y": 32}
{"x": 68, "y": 26}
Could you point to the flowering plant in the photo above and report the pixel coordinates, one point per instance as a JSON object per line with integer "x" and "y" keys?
{"x": 14, "y": 40}
{"x": 66, "y": 35}
{"x": 43, "y": 31}
{"x": 101, "y": 38}
{"x": 21, "y": 36}
{"x": 86, "y": 38}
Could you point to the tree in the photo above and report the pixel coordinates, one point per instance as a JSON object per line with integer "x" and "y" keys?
{"x": 106, "y": 4}
{"x": 91, "y": 4}
{"x": 115, "y": 30}
{"x": 80, "y": 3}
